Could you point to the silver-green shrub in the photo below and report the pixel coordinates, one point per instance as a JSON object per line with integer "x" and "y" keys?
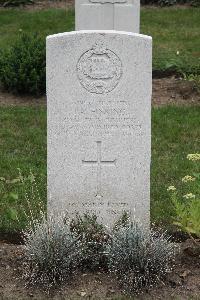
{"x": 52, "y": 252}
{"x": 139, "y": 257}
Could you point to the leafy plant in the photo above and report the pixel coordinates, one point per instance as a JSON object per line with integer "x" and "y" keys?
{"x": 195, "y": 3}
{"x": 93, "y": 237}
{"x": 22, "y": 67}
{"x": 139, "y": 257}
{"x": 11, "y": 193}
{"x": 6, "y": 3}
{"x": 167, "y": 2}
{"x": 179, "y": 63}
{"x": 187, "y": 206}
{"x": 194, "y": 79}
{"x": 52, "y": 252}
{"x": 8, "y": 199}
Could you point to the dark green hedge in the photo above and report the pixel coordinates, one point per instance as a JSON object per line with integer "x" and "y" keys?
{"x": 7, "y": 3}
{"x": 170, "y": 2}
{"x": 23, "y": 66}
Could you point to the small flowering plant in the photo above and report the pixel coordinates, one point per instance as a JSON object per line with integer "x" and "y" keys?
{"x": 187, "y": 205}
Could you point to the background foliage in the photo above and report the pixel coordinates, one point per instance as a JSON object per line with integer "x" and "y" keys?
{"x": 7, "y": 3}
{"x": 175, "y": 33}
{"x": 170, "y": 2}
{"x": 23, "y": 145}
{"x": 23, "y": 66}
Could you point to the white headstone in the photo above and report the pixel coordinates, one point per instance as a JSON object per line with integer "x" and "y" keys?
{"x": 123, "y": 15}
{"x": 99, "y": 123}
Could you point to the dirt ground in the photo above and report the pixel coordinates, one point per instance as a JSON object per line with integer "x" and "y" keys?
{"x": 169, "y": 90}
{"x": 8, "y": 99}
{"x": 182, "y": 283}
{"x": 172, "y": 90}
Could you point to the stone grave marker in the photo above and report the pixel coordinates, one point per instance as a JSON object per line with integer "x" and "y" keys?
{"x": 99, "y": 124}
{"x": 121, "y": 15}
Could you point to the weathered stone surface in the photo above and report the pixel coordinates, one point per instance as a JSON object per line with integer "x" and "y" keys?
{"x": 99, "y": 123}
{"x": 123, "y": 15}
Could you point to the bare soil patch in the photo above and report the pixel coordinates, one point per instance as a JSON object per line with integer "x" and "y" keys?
{"x": 172, "y": 90}
{"x": 169, "y": 90}
{"x": 182, "y": 283}
{"x": 8, "y": 99}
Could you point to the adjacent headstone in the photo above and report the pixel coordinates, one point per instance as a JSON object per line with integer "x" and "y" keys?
{"x": 123, "y": 15}
{"x": 99, "y": 124}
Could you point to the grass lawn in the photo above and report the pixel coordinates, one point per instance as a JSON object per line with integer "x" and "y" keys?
{"x": 172, "y": 29}
{"x": 23, "y": 146}
{"x": 175, "y": 133}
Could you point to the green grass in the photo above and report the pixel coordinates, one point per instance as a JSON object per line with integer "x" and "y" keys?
{"x": 22, "y": 140}
{"x": 172, "y": 29}
{"x": 23, "y": 146}
{"x": 175, "y": 133}
{"x": 44, "y": 22}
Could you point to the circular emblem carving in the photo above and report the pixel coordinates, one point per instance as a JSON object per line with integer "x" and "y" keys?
{"x": 99, "y": 70}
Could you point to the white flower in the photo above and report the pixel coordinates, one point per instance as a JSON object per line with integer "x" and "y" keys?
{"x": 194, "y": 156}
{"x": 177, "y": 52}
{"x": 189, "y": 196}
{"x": 171, "y": 188}
{"x": 188, "y": 178}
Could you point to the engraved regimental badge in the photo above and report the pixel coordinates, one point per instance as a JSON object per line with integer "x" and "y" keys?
{"x": 99, "y": 70}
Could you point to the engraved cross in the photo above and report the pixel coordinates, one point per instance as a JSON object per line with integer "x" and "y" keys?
{"x": 99, "y": 163}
